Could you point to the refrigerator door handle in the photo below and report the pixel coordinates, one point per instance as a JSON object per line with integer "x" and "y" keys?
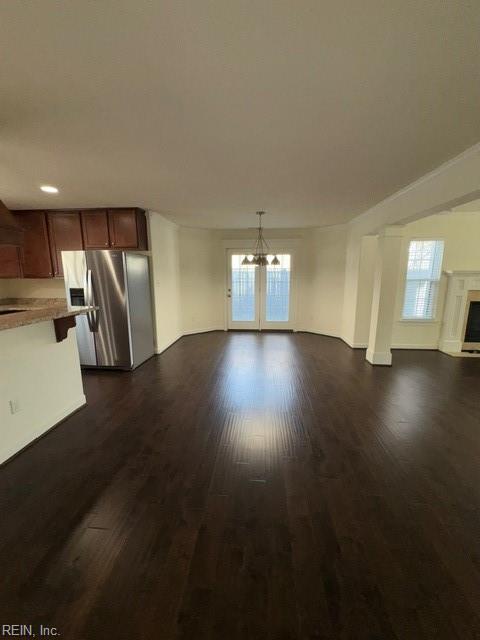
{"x": 88, "y": 280}
{"x": 75, "y": 269}
{"x": 89, "y": 288}
{"x": 91, "y": 321}
{"x": 94, "y": 317}
{"x": 91, "y": 315}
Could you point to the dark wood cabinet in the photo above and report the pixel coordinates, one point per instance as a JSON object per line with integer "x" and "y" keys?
{"x": 48, "y": 233}
{"x": 37, "y": 262}
{"x": 122, "y": 226}
{"x": 95, "y": 229}
{"x": 65, "y": 233}
{"x": 114, "y": 229}
{"x": 10, "y": 262}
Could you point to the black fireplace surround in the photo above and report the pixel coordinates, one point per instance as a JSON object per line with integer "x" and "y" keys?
{"x": 472, "y": 332}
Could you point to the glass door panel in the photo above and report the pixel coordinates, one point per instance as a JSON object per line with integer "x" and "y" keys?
{"x": 276, "y": 307}
{"x": 243, "y": 294}
{"x": 259, "y": 297}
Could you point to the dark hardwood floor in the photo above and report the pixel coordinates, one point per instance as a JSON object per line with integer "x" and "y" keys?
{"x": 246, "y": 486}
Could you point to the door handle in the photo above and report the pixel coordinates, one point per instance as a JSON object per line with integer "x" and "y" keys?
{"x": 87, "y": 298}
{"x": 92, "y": 321}
{"x": 89, "y": 320}
{"x": 89, "y": 288}
{"x": 92, "y": 316}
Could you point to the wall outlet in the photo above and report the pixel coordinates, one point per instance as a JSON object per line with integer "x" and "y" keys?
{"x": 14, "y": 406}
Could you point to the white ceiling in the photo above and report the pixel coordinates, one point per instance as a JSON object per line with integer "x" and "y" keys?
{"x": 209, "y": 110}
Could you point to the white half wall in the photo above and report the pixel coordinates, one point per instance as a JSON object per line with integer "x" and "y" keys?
{"x": 43, "y": 377}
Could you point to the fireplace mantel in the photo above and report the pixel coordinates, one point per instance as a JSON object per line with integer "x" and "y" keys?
{"x": 459, "y": 284}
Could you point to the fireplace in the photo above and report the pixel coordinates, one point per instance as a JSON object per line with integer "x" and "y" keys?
{"x": 460, "y": 325}
{"x": 471, "y": 340}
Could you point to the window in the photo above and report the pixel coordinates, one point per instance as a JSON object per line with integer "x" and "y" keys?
{"x": 423, "y": 278}
{"x": 243, "y": 290}
{"x": 278, "y": 289}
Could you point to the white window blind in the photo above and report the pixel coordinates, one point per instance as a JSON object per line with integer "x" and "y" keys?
{"x": 423, "y": 278}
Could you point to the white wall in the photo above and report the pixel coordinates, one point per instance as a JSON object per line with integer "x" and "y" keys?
{"x": 323, "y": 281}
{"x": 449, "y": 185}
{"x": 202, "y": 280}
{"x": 32, "y": 288}
{"x": 368, "y": 257}
{"x": 318, "y": 268}
{"x": 189, "y": 277}
{"x": 291, "y": 241}
{"x": 43, "y": 376}
{"x": 333, "y": 277}
{"x": 460, "y": 233}
{"x": 189, "y": 281}
{"x": 358, "y": 289}
{"x": 453, "y": 183}
{"x": 165, "y": 257}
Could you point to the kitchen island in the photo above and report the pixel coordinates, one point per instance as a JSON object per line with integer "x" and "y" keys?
{"x": 40, "y": 377}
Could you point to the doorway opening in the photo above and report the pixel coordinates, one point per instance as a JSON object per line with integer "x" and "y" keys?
{"x": 260, "y": 297}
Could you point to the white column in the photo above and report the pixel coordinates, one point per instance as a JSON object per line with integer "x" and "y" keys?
{"x": 385, "y": 286}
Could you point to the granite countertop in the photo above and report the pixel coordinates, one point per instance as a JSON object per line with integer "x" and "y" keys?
{"x": 33, "y": 310}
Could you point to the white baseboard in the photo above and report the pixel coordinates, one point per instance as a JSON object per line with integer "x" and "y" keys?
{"x": 166, "y": 345}
{"x": 428, "y": 347}
{"x": 451, "y": 346}
{"x": 40, "y": 430}
{"x": 317, "y": 333}
{"x": 364, "y": 345}
{"x": 355, "y": 345}
{"x": 204, "y": 330}
{"x": 352, "y": 345}
{"x": 383, "y": 358}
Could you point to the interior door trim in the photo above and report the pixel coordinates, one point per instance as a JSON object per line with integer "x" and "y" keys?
{"x": 248, "y": 325}
{"x": 287, "y": 246}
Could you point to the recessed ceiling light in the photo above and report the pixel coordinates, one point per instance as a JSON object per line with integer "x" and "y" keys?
{"x": 48, "y": 189}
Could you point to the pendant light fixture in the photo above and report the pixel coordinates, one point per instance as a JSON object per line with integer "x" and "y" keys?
{"x": 261, "y": 249}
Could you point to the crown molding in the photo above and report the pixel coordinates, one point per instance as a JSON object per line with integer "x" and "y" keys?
{"x": 445, "y": 166}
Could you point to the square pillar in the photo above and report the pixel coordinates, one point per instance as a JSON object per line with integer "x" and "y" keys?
{"x": 385, "y": 286}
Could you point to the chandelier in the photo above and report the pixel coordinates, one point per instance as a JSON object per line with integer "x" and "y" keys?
{"x": 261, "y": 250}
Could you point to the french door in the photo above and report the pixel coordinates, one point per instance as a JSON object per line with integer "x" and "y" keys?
{"x": 259, "y": 297}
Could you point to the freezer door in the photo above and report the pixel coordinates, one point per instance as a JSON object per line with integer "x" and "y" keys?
{"x": 76, "y": 289}
{"x": 108, "y": 291}
{"x": 140, "y": 307}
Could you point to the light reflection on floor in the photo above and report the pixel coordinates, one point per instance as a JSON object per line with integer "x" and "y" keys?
{"x": 259, "y": 389}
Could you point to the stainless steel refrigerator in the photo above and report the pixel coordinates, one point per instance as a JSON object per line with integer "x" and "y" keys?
{"x": 120, "y": 333}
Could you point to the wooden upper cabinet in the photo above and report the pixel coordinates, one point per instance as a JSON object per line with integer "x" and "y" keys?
{"x": 95, "y": 229}
{"x": 114, "y": 229}
{"x": 128, "y": 229}
{"x": 65, "y": 233}
{"x": 48, "y": 233}
{"x": 10, "y": 262}
{"x": 37, "y": 262}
